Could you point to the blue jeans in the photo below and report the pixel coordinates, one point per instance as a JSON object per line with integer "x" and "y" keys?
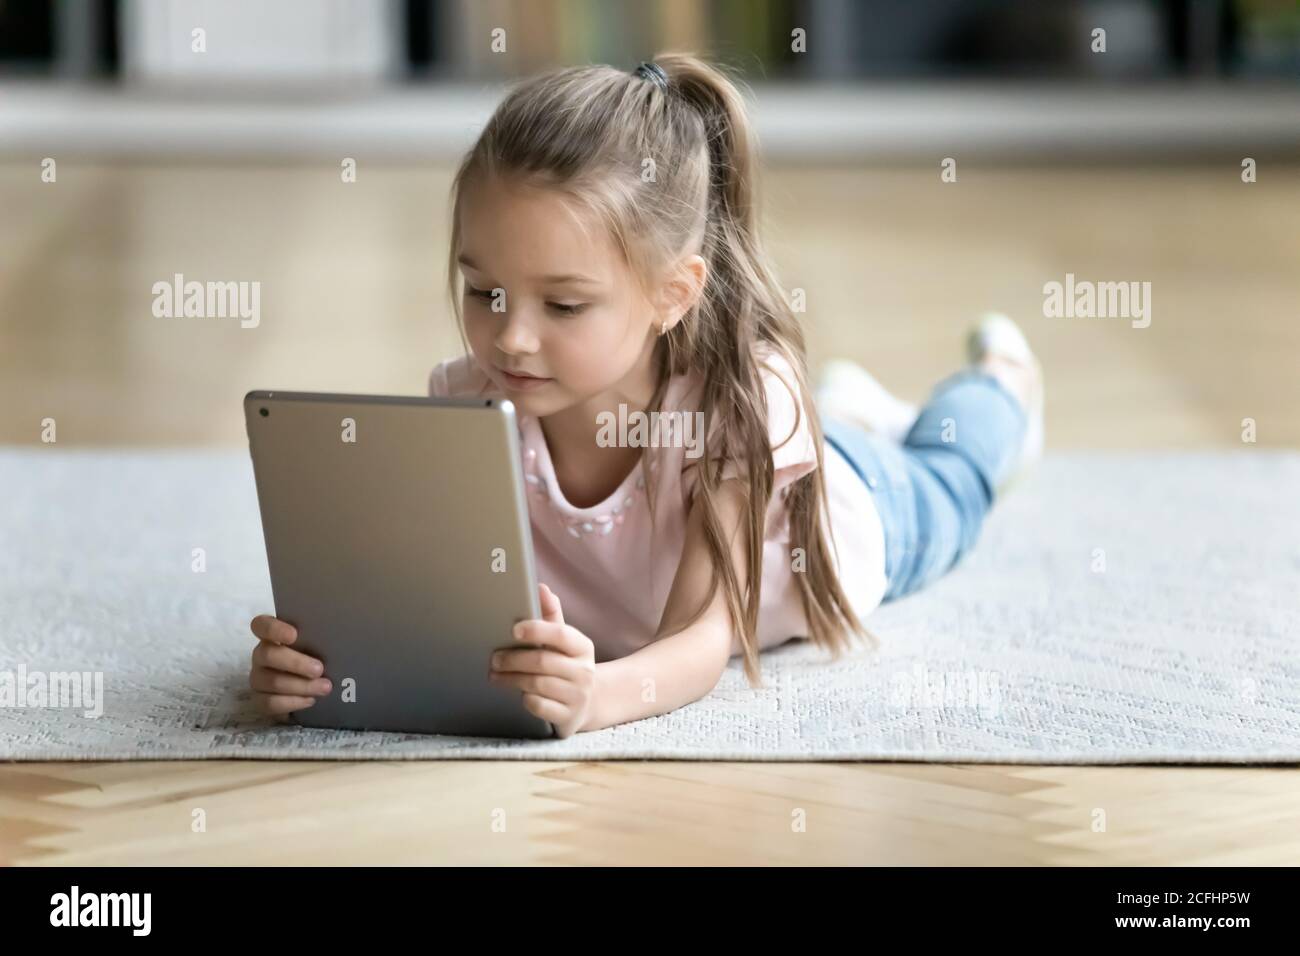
{"x": 934, "y": 489}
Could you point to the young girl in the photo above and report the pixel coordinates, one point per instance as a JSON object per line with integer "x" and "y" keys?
{"x": 607, "y": 233}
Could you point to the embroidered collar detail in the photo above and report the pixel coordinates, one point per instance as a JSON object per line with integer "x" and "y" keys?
{"x": 598, "y": 520}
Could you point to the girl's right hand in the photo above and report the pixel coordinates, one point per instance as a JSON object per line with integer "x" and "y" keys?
{"x": 283, "y": 680}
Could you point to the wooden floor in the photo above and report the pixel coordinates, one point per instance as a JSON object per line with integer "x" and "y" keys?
{"x": 893, "y": 264}
{"x": 618, "y": 813}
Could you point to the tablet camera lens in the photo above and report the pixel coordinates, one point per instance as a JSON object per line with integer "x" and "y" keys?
{"x": 265, "y": 412}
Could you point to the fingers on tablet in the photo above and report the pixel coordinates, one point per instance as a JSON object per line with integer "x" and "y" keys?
{"x": 281, "y": 658}
{"x": 274, "y": 682}
{"x": 550, "y": 604}
{"x": 272, "y": 629}
{"x": 548, "y": 634}
{"x": 285, "y": 680}
{"x": 279, "y": 705}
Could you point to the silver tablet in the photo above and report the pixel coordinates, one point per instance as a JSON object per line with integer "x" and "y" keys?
{"x": 398, "y": 543}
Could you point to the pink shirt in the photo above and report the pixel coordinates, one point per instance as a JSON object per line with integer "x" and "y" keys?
{"x": 612, "y": 567}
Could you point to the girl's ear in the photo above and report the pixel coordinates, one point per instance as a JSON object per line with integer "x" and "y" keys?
{"x": 682, "y": 290}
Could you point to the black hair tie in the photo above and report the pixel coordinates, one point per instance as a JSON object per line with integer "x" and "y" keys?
{"x": 654, "y": 73}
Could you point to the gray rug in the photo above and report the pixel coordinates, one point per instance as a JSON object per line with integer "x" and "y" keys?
{"x": 1119, "y": 609}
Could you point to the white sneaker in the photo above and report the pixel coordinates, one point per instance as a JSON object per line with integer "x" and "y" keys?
{"x": 847, "y": 391}
{"x": 995, "y": 334}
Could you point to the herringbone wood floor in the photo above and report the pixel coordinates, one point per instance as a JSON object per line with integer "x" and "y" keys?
{"x": 893, "y": 264}
{"x": 473, "y": 812}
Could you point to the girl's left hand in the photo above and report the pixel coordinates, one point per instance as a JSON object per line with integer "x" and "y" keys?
{"x": 558, "y": 677}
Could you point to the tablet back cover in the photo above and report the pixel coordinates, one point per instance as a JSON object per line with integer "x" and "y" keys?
{"x": 398, "y": 543}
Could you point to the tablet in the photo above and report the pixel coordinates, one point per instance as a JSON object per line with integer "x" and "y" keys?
{"x": 398, "y": 543}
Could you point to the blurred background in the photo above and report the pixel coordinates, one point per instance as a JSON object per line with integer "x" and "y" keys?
{"x": 1108, "y": 139}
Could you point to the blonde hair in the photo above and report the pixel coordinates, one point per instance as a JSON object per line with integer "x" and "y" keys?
{"x": 589, "y": 132}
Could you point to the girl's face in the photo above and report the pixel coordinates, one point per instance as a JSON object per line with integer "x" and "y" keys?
{"x": 570, "y": 309}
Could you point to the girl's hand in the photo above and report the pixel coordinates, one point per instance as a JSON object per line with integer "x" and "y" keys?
{"x": 285, "y": 680}
{"x": 559, "y": 677}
